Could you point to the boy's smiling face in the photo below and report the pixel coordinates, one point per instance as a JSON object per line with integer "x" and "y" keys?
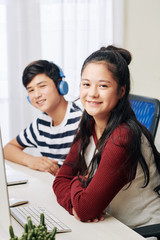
{"x": 43, "y": 93}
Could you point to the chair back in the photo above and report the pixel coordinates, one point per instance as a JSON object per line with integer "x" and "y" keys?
{"x": 147, "y": 111}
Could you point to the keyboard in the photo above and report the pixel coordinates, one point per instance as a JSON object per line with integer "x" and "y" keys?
{"x": 51, "y": 221}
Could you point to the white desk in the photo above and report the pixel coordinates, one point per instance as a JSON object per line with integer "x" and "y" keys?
{"x": 39, "y": 192}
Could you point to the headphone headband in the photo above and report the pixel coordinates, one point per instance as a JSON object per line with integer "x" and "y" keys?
{"x": 63, "y": 85}
{"x": 61, "y": 73}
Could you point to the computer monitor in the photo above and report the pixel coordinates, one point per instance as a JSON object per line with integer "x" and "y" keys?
{"x": 5, "y": 219}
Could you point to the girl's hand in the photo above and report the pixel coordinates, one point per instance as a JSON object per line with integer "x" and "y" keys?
{"x": 100, "y": 218}
{"x": 75, "y": 214}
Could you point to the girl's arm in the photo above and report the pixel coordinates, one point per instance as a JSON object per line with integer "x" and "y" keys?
{"x": 62, "y": 182}
{"x": 108, "y": 180}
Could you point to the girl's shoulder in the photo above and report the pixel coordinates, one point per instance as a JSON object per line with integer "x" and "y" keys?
{"x": 123, "y": 128}
{"x": 122, "y": 134}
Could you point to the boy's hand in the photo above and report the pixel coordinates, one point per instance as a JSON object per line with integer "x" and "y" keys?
{"x": 44, "y": 164}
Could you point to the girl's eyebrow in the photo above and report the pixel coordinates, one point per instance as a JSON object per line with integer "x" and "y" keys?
{"x": 101, "y": 80}
{"x": 42, "y": 82}
{"x": 106, "y": 81}
{"x": 85, "y": 79}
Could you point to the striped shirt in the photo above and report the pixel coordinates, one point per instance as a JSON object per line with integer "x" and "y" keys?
{"x": 53, "y": 142}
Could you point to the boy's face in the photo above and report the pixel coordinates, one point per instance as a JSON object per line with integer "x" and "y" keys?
{"x": 43, "y": 93}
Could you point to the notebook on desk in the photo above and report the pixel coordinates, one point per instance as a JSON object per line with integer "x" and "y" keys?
{"x": 6, "y": 211}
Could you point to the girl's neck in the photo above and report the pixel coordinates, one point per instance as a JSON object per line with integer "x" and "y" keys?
{"x": 99, "y": 129}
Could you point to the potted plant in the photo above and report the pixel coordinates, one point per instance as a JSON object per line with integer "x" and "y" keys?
{"x": 31, "y": 232}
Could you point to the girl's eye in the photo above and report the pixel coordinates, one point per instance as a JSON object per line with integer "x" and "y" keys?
{"x": 85, "y": 84}
{"x": 42, "y": 86}
{"x": 103, "y": 86}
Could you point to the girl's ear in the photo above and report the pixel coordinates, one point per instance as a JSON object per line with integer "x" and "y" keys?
{"x": 122, "y": 91}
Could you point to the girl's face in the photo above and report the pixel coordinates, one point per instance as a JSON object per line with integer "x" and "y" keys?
{"x": 98, "y": 91}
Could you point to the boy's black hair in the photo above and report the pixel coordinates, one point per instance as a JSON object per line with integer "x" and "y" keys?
{"x": 38, "y": 67}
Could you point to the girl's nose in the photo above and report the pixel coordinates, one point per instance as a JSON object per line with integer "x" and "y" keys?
{"x": 93, "y": 92}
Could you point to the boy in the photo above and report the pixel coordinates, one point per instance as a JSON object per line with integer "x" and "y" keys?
{"x": 53, "y": 131}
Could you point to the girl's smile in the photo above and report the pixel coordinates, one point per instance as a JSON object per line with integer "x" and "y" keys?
{"x": 94, "y": 103}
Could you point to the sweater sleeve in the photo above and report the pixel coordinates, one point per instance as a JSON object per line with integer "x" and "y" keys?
{"x": 109, "y": 178}
{"x": 62, "y": 182}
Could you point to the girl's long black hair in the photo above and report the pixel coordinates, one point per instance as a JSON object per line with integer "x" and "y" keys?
{"x": 117, "y": 61}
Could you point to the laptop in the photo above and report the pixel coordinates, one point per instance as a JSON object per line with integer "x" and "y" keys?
{"x": 14, "y": 177}
{"x": 5, "y": 211}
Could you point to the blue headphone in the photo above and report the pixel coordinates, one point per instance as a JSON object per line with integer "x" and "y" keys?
{"x": 28, "y": 99}
{"x": 62, "y": 85}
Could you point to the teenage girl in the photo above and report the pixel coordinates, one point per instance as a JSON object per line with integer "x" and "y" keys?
{"x": 113, "y": 162}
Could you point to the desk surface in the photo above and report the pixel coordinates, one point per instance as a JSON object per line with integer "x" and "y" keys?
{"x": 38, "y": 191}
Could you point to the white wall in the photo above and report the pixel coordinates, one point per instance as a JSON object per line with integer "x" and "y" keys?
{"x": 142, "y": 39}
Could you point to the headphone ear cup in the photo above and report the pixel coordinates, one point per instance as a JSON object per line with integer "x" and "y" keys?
{"x": 63, "y": 87}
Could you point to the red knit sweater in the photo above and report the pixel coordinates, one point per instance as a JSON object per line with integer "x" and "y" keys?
{"x": 110, "y": 177}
